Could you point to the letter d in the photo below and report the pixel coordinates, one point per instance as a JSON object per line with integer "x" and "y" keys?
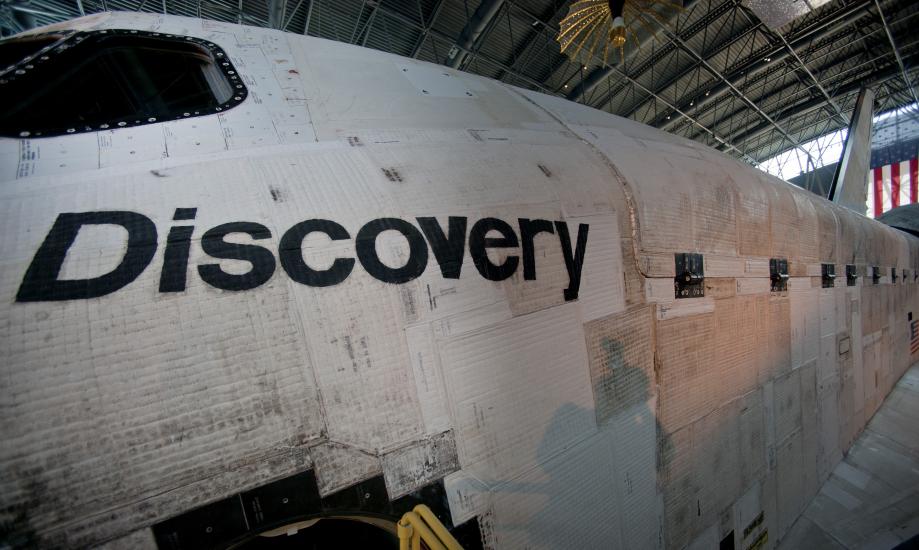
{"x": 40, "y": 283}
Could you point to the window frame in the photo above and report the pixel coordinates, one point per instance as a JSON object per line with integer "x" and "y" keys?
{"x": 45, "y": 57}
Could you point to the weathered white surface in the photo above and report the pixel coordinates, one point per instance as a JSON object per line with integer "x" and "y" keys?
{"x": 418, "y": 464}
{"x": 503, "y": 426}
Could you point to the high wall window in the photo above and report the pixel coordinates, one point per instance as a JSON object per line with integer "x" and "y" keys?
{"x": 87, "y": 81}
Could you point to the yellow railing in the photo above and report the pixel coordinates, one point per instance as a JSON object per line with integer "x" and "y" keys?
{"x": 422, "y": 526}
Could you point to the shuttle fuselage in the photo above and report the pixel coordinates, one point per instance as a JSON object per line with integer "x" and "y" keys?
{"x": 346, "y": 282}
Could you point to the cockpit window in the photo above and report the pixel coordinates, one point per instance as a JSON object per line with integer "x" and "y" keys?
{"x": 98, "y": 80}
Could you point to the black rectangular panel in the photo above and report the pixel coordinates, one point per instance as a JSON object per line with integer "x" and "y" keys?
{"x": 778, "y": 274}
{"x": 690, "y": 276}
{"x": 828, "y": 275}
{"x": 367, "y": 496}
{"x": 211, "y": 526}
{"x": 282, "y": 501}
{"x": 851, "y": 275}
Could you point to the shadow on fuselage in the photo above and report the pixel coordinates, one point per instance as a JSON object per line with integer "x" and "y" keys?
{"x": 583, "y": 486}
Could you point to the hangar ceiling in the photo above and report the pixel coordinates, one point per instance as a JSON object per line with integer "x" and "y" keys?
{"x": 752, "y": 78}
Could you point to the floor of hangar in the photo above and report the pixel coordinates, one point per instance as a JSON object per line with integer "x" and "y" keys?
{"x": 871, "y": 501}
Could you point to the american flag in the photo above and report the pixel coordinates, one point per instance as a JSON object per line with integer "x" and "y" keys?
{"x": 893, "y": 185}
{"x": 913, "y": 336}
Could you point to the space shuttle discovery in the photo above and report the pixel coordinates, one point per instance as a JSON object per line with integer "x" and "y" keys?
{"x": 260, "y": 285}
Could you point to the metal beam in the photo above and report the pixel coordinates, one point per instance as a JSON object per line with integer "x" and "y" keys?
{"x": 775, "y": 55}
{"x": 276, "y": 13}
{"x": 896, "y": 52}
{"x": 25, "y": 17}
{"x": 357, "y": 22}
{"x": 369, "y": 26}
{"x": 534, "y": 36}
{"x": 427, "y": 28}
{"x": 813, "y": 79}
{"x": 479, "y": 21}
{"x": 309, "y": 16}
{"x": 740, "y": 95}
{"x": 437, "y": 34}
{"x": 813, "y": 104}
{"x": 788, "y": 92}
{"x": 594, "y": 78}
{"x": 699, "y": 124}
{"x": 753, "y": 18}
{"x": 695, "y": 66}
{"x": 291, "y": 17}
{"x": 46, "y": 9}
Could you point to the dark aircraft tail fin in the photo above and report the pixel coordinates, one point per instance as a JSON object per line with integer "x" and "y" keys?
{"x": 850, "y": 184}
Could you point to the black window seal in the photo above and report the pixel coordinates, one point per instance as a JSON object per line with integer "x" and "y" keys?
{"x": 70, "y": 38}
{"x": 19, "y": 68}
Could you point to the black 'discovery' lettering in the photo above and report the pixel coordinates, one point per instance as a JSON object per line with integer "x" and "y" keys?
{"x": 41, "y": 282}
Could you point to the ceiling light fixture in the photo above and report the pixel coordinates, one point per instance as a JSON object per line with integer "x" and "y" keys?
{"x": 597, "y": 25}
